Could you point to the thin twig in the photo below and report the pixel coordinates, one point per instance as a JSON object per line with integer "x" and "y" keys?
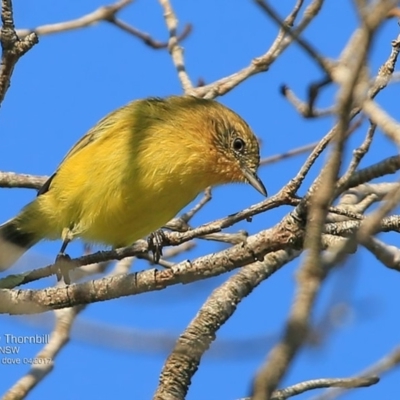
{"x": 261, "y": 63}
{"x": 146, "y": 38}
{"x": 173, "y": 45}
{"x": 304, "y": 108}
{"x": 291, "y": 153}
{"x": 385, "y": 364}
{"x": 325, "y": 64}
{"x": 180, "y": 223}
{"x": 289, "y": 21}
{"x": 358, "y": 155}
{"x": 349, "y": 383}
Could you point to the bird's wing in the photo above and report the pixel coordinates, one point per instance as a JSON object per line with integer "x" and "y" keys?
{"x": 91, "y": 136}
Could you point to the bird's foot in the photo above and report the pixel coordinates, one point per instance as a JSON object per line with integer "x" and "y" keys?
{"x": 156, "y": 241}
{"x": 63, "y": 266}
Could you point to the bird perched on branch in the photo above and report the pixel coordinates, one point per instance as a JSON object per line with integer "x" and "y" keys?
{"x": 133, "y": 172}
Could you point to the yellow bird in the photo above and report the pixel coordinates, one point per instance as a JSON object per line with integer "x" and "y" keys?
{"x": 133, "y": 172}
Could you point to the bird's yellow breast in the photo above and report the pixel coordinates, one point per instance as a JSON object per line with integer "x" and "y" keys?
{"x": 123, "y": 185}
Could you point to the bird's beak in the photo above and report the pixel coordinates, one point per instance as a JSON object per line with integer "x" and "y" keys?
{"x": 254, "y": 180}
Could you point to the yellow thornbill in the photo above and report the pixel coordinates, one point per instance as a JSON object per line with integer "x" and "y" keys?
{"x": 134, "y": 171}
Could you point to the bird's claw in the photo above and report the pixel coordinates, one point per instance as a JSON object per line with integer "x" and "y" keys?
{"x": 62, "y": 265}
{"x": 156, "y": 241}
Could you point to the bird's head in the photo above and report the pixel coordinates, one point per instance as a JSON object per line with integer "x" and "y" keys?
{"x": 235, "y": 147}
{"x": 212, "y": 142}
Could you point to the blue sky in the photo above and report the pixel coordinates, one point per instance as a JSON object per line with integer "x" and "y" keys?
{"x": 66, "y": 83}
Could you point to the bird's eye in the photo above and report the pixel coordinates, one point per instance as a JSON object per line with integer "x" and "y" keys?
{"x": 238, "y": 145}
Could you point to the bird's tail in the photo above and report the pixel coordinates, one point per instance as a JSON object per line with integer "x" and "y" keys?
{"x": 15, "y": 240}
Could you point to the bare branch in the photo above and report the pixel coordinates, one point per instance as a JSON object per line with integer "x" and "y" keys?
{"x": 378, "y": 116}
{"x": 13, "y": 180}
{"x": 13, "y": 48}
{"x": 104, "y": 13}
{"x": 285, "y": 235}
{"x": 389, "y": 256}
{"x": 184, "y": 360}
